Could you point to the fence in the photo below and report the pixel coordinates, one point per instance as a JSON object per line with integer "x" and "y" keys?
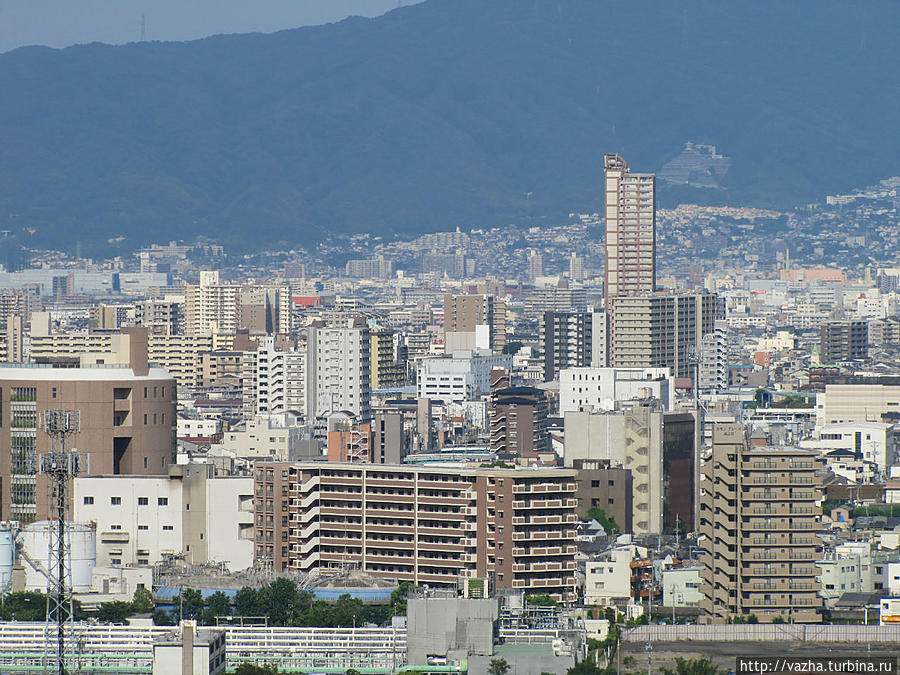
{"x": 763, "y": 632}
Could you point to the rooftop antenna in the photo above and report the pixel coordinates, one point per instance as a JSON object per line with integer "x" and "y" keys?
{"x": 60, "y": 464}
{"x": 143, "y": 28}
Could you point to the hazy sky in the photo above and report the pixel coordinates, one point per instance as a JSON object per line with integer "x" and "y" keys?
{"x": 60, "y": 23}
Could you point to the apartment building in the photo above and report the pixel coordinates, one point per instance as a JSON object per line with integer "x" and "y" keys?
{"x": 211, "y": 306}
{"x": 463, "y": 313}
{"x": 160, "y": 316}
{"x": 567, "y": 341}
{"x": 630, "y": 218}
{"x": 428, "y": 525}
{"x": 518, "y": 419}
{"x": 127, "y": 422}
{"x": 661, "y": 329}
{"x": 273, "y": 379}
{"x": 611, "y": 488}
{"x": 338, "y": 371}
{"x": 190, "y": 512}
{"x": 844, "y": 341}
{"x": 385, "y": 369}
{"x": 759, "y": 521}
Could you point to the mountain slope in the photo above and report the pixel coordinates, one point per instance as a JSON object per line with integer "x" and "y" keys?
{"x": 452, "y": 112}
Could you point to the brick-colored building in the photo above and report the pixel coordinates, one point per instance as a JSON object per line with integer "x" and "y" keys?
{"x": 427, "y": 525}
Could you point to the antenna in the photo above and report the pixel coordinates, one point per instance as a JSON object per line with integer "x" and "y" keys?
{"x": 143, "y": 28}
{"x": 60, "y": 465}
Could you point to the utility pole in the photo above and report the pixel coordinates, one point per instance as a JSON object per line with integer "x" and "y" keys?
{"x": 61, "y": 466}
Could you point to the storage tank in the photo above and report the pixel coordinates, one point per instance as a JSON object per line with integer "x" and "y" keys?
{"x": 82, "y": 545}
{"x": 7, "y": 554}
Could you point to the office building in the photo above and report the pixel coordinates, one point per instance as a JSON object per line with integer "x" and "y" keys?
{"x": 630, "y": 230}
{"x": 844, "y": 341}
{"x": 427, "y": 525}
{"x": 576, "y": 268}
{"x": 463, "y": 313}
{"x": 127, "y": 422}
{"x": 759, "y": 518}
{"x": 338, "y": 376}
{"x": 604, "y": 388}
{"x": 385, "y": 369}
{"x": 604, "y": 486}
{"x": 661, "y": 329}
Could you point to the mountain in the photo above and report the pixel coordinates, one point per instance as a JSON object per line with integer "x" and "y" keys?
{"x": 450, "y": 112}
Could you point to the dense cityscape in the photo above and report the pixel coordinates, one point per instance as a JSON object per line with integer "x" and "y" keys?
{"x": 559, "y": 437}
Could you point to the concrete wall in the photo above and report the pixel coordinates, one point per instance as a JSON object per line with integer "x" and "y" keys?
{"x": 451, "y": 627}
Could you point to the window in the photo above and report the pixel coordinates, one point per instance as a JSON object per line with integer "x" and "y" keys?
{"x": 168, "y": 528}
{"x": 162, "y": 501}
{"x": 145, "y": 462}
{"x": 187, "y": 507}
{"x": 142, "y": 527}
{"x": 115, "y": 527}
{"x": 88, "y": 501}
{"x": 115, "y": 501}
{"x": 53, "y": 392}
{"x": 143, "y": 501}
{"x": 595, "y": 483}
{"x": 115, "y": 562}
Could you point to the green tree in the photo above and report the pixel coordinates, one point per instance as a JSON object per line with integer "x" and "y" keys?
{"x": 189, "y": 604}
{"x": 584, "y": 668}
{"x": 114, "y": 612}
{"x": 398, "y": 598}
{"x": 347, "y": 612}
{"x": 217, "y": 604}
{"x": 498, "y": 666}
{"x": 692, "y": 667}
{"x": 163, "y": 618}
{"x": 542, "y": 600}
{"x": 609, "y": 523}
{"x": 142, "y": 601}
{"x": 247, "y": 602}
{"x": 24, "y": 606}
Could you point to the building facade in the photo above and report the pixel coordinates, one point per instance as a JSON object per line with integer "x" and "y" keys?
{"x": 630, "y": 230}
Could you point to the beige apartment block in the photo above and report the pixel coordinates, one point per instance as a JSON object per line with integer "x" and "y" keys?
{"x": 759, "y": 523}
{"x": 426, "y": 525}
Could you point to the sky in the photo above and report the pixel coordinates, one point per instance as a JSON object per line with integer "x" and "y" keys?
{"x": 60, "y": 23}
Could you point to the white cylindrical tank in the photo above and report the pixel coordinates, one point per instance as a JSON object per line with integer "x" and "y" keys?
{"x": 7, "y": 554}
{"x": 82, "y": 545}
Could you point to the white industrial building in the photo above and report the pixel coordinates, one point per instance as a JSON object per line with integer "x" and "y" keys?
{"x": 189, "y": 513}
{"x": 600, "y": 388}
{"x": 871, "y": 441}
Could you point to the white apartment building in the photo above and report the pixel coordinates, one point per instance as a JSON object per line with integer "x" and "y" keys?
{"x": 681, "y": 587}
{"x": 847, "y": 569}
{"x": 198, "y": 428}
{"x": 873, "y": 441}
{"x": 211, "y": 306}
{"x": 600, "y": 388}
{"x": 270, "y": 437}
{"x": 274, "y": 381}
{"x": 465, "y": 375}
{"x": 338, "y": 376}
{"x": 607, "y": 581}
{"x": 189, "y": 513}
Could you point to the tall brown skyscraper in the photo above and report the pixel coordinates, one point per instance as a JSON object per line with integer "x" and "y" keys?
{"x": 630, "y": 230}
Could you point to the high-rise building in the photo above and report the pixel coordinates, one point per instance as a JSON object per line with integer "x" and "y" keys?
{"x": 427, "y": 525}
{"x": 844, "y": 341}
{"x": 518, "y": 418}
{"x": 567, "y": 340}
{"x": 758, "y": 524}
{"x": 338, "y": 376}
{"x": 462, "y": 313}
{"x": 714, "y": 357}
{"x": 273, "y": 379}
{"x": 576, "y": 268}
{"x": 384, "y": 367}
{"x": 661, "y": 329}
{"x": 210, "y": 306}
{"x": 127, "y": 422}
{"x": 630, "y": 230}
{"x": 535, "y": 265}
{"x": 162, "y": 316}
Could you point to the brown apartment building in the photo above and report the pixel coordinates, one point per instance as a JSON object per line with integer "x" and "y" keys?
{"x": 759, "y": 521}
{"x": 427, "y": 525}
{"x": 127, "y": 422}
{"x": 463, "y": 312}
